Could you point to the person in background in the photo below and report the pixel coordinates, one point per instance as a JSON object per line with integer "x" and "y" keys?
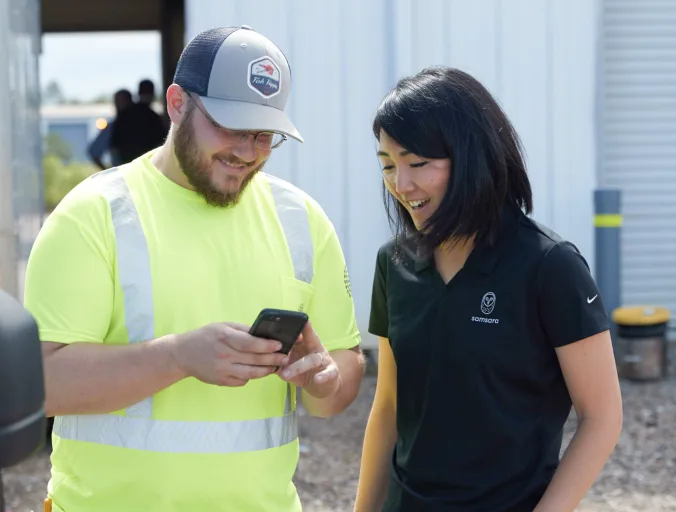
{"x": 146, "y": 92}
{"x": 490, "y": 324}
{"x": 122, "y": 100}
{"x": 145, "y": 281}
{"x": 138, "y": 129}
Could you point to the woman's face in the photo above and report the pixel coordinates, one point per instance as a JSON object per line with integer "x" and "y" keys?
{"x": 419, "y": 184}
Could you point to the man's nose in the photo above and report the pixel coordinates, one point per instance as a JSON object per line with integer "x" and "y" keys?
{"x": 247, "y": 150}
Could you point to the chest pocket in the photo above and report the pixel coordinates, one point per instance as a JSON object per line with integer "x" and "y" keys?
{"x": 297, "y": 289}
{"x": 296, "y": 295}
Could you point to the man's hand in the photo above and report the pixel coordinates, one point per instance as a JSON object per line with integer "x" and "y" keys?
{"x": 310, "y": 366}
{"x": 226, "y": 354}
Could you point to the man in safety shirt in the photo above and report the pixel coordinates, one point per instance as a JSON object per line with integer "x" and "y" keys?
{"x": 144, "y": 282}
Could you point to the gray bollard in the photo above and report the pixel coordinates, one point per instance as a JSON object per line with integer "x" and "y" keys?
{"x": 607, "y": 226}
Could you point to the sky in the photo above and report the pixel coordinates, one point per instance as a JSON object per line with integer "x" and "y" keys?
{"x": 88, "y": 65}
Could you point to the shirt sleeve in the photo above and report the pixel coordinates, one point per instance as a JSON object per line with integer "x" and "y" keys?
{"x": 331, "y": 310}
{"x": 101, "y": 143}
{"x": 116, "y": 131}
{"x": 379, "y": 318}
{"x": 570, "y": 304}
{"x": 69, "y": 285}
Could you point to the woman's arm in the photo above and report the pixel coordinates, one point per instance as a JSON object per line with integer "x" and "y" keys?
{"x": 380, "y": 436}
{"x": 589, "y": 369}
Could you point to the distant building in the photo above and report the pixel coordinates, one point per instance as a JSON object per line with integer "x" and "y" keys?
{"x": 77, "y": 125}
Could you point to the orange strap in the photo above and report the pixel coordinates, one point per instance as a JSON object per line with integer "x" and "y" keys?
{"x": 48, "y": 505}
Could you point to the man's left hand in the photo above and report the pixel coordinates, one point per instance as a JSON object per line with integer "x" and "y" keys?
{"x": 310, "y": 366}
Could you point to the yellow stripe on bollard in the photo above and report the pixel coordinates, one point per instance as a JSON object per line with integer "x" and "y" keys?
{"x": 608, "y": 220}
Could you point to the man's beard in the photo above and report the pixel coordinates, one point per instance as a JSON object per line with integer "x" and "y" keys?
{"x": 196, "y": 168}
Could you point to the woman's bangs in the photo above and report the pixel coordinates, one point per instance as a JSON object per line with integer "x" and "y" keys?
{"x": 413, "y": 127}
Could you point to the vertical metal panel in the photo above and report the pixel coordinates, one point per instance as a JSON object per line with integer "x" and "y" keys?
{"x": 525, "y": 89}
{"x": 538, "y": 59}
{"x": 26, "y": 140}
{"x": 572, "y": 167}
{"x": 318, "y": 90}
{"x": 428, "y": 23}
{"x": 366, "y": 79}
{"x": 474, "y": 40}
{"x": 402, "y": 37}
{"x": 638, "y": 142}
{"x": 8, "y": 279}
{"x": 20, "y": 152}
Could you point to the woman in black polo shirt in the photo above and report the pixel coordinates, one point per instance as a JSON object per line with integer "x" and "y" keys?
{"x": 490, "y": 324}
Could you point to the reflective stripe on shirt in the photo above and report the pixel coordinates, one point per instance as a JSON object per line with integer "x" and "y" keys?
{"x": 137, "y": 429}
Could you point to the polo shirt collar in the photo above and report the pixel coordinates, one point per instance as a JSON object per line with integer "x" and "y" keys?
{"x": 483, "y": 258}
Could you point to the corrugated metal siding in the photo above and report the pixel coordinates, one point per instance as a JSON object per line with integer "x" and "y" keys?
{"x": 537, "y": 57}
{"x": 20, "y": 148}
{"x": 638, "y": 142}
{"x": 539, "y": 60}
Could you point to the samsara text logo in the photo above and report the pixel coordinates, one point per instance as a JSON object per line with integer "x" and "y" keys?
{"x": 265, "y": 77}
{"x": 487, "y": 307}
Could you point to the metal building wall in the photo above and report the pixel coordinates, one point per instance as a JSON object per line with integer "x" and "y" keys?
{"x": 537, "y": 57}
{"x": 638, "y": 142}
{"x": 21, "y": 191}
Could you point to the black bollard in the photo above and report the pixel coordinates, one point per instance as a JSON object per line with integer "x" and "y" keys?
{"x": 22, "y": 390}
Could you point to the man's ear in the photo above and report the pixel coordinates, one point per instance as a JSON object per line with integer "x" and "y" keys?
{"x": 177, "y": 103}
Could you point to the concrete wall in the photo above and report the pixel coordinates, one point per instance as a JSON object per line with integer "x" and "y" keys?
{"x": 536, "y": 56}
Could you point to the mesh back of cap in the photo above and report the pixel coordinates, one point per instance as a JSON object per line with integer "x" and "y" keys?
{"x": 194, "y": 66}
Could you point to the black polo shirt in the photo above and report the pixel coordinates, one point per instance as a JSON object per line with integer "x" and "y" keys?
{"x": 481, "y": 400}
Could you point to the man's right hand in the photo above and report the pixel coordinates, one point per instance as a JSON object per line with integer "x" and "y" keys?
{"x": 226, "y": 354}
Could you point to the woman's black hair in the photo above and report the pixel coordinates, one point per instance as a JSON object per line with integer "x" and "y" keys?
{"x": 443, "y": 112}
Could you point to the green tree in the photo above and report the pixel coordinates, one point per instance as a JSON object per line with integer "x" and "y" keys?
{"x": 53, "y": 93}
{"x": 61, "y": 174}
{"x": 56, "y": 146}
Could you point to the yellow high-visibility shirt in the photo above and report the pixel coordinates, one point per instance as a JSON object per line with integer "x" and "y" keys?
{"x": 129, "y": 256}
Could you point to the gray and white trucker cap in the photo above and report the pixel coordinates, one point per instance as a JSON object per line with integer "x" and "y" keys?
{"x": 243, "y": 79}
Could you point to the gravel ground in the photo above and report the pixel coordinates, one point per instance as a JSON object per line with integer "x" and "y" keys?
{"x": 638, "y": 478}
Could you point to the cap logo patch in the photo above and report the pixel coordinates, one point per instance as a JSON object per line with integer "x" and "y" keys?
{"x": 265, "y": 77}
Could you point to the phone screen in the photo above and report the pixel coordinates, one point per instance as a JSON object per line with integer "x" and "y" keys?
{"x": 279, "y": 325}
{"x": 272, "y": 329}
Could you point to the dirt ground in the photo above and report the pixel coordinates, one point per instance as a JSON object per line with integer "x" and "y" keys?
{"x": 639, "y": 477}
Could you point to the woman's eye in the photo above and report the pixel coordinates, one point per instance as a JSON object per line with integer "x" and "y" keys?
{"x": 418, "y": 164}
{"x": 388, "y": 168}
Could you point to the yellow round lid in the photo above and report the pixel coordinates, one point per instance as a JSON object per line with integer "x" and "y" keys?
{"x": 640, "y": 315}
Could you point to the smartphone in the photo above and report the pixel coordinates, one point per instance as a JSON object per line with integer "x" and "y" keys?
{"x": 281, "y": 325}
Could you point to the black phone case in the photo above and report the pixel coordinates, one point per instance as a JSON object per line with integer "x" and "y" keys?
{"x": 281, "y": 325}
